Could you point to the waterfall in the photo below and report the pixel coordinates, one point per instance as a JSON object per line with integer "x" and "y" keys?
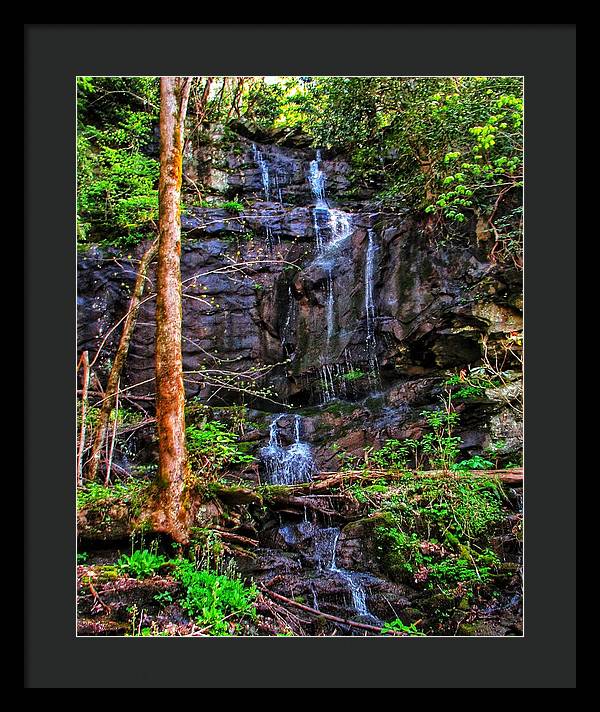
{"x": 325, "y": 543}
{"x": 285, "y": 332}
{"x": 316, "y": 178}
{"x": 287, "y": 465}
{"x": 328, "y": 390}
{"x": 370, "y": 304}
{"x": 278, "y": 187}
{"x": 331, "y": 225}
{"x": 358, "y": 593}
{"x": 340, "y": 224}
{"x": 297, "y": 425}
{"x": 330, "y": 306}
{"x": 318, "y": 232}
{"x": 264, "y": 170}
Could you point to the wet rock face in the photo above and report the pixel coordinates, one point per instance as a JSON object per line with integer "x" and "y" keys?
{"x": 305, "y": 313}
{"x": 237, "y": 165}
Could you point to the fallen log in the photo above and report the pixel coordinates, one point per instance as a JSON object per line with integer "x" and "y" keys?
{"x": 237, "y": 538}
{"x": 237, "y": 495}
{"x": 327, "y": 616}
{"x": 328, "y": 479}
{"x": 305, "y": 501}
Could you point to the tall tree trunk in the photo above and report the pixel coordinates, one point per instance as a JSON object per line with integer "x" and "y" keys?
{"x": 173, "y": 514}
{"x": 85, "y": 381}
{"x": 108, "y": 403}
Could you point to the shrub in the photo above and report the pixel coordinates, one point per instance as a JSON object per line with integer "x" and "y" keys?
{"x": 212, "y": 447}
{"x": 141, "y": 563}
{"x": 216, "y": 601}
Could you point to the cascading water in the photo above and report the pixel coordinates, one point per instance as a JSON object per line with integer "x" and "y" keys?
{"x": 318, "y": 233}
{"x": 327, "y": 383}
{"x": 325, "y": 543}
{"x": 278, "y": 183}
{"x": 316, "y": 178}
{"x": 370, "y": 305}
{"x": 332, "y": 227}
{"x": 340, "y": 225}
{"x": 287, "y": 327}
{"x": 287, "y": 465}
{"x": 264, "y": 170}
{"x": 330, "y": 306}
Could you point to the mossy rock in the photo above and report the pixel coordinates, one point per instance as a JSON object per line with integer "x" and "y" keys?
{"x": 359, "y": 541}
{"x": 109, "y": 520}
{"x": 233, "y": 494}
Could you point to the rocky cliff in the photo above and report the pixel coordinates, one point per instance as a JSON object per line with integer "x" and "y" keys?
{"x": 352, "y": 315}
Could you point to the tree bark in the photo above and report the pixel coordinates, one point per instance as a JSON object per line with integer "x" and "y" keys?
{"x": 173, "y": 515}
{"x": 85, "y": 380}
{"x": 108, "y": 403}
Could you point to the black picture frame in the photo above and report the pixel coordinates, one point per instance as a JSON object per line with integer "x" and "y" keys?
{"x": 54, "y": 55}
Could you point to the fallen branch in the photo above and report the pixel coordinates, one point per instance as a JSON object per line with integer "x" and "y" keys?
{"x": 98, "y": 602}
{"x": 140, "y": 398}
{"x": 327, "y": 616}
{"x": 327, "y": 479}
{"x": 238, "y": 538}
{"x": 306, "y": 501}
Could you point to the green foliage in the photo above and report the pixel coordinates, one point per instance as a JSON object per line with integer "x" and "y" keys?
{"x": 397, "y": 626}
{"x": 467, "y": 506}
{"x": 232, "y": 206}
{"x": 124, "y": 416}
{"x": 473, "y": 463}
{"x": 401, "y": 551}
{"x": 470, "y": 384}
{"x": 131, "y": 491}
{"x": 212, "y": 448}
{"x": 363, "y": 493}
{"x": 434, "y": 531}
{"x": 394, "y": 454}
{"x": 164, "y": 597}
{"x": 265, "y": 103}
{"x": 82, "y": 557}
{"x": 217, "y": 602}
{"x": 450, "y": 145}
{"x": 450, "y": 572}
{"x": 459, "y": 515}
{"x": 141, "y": 563}
{"x": 491, "y": 159}
{"x": 117, "y": 196}
{"x": 441, "y": 446}
{"x": 353, "y": 375}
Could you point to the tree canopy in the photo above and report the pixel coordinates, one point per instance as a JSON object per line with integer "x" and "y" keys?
{"x": 451, "y": 146}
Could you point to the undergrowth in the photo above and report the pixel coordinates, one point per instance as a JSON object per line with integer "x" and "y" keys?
{"x": 131, "y": 491}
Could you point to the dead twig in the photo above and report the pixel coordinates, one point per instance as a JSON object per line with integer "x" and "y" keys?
{"x": 327, "y": 616}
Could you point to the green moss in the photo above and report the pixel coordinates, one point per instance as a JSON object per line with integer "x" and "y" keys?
{"x": 397, "y": 552}
{"x": 339, "y": 408}
{"x": 132, "y": 492}
{"x": 467, "y": 629}
{"x": 375, "y": 404}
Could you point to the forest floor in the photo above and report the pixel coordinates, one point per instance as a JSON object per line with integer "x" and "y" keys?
{"x": 141, "y": 584}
